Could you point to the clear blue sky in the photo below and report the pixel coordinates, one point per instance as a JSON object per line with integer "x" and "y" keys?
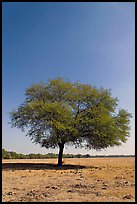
{"x": 87, "y": 42}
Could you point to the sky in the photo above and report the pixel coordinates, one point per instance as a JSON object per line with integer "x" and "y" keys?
{"x": 91, "y": 42}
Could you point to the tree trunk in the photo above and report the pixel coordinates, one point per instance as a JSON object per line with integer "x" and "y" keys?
{"x": 61, "y": 147}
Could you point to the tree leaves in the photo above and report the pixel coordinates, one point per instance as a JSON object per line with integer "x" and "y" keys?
{"x": 71, "y": 113}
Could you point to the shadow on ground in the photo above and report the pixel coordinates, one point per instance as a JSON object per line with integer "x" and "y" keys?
{"x": 40, "y": 166}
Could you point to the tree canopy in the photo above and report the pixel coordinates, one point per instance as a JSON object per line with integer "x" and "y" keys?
{"x": 59, "y": 113}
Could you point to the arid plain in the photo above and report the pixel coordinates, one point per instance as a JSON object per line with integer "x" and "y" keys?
{"x": 78, "y": 180}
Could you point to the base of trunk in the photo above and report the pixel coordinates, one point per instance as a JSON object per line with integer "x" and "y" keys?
{"x": 61, "y": 147}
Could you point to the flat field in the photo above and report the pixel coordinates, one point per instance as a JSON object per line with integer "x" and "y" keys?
{"x": 78, "y": 180}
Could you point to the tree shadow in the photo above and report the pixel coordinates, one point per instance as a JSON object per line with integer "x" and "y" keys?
{"x": 40, "y": 166}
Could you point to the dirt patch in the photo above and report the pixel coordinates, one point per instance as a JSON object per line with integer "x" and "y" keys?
{"x": 78, "y": 180}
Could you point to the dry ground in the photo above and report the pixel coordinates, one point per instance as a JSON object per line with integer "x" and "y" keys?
{"x": 79, "y": 180}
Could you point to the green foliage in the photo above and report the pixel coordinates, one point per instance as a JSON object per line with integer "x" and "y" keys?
{"x": 5, "y": 154}
{"x": 14, "y": 155}
{"x": 60, "y": 112}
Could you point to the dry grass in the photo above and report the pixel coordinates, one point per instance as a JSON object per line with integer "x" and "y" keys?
{"x": 79, "y": 180}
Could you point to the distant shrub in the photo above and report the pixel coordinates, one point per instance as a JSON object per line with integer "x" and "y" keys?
{"x": 14, "y": 155}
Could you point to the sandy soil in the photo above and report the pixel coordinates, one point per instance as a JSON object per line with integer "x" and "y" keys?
{"x": 79, "y": 180}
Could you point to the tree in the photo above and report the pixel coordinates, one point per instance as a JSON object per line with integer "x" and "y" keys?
{"x": 59, "y": 113}
{"x": 4, "y": 153}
